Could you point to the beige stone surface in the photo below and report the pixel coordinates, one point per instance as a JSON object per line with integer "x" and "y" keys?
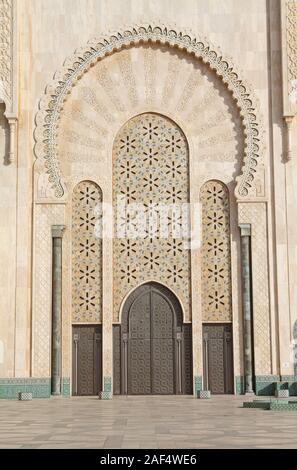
{"x": 153, "y": 422}
{"x": 258, "y": 38}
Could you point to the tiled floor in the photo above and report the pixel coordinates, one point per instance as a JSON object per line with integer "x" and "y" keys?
{"x": 143, "y": 422}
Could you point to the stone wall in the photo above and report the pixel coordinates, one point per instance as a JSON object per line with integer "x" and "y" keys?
{"x": 147, "y": 78}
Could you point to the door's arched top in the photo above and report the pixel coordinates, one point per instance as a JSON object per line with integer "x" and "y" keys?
{"x": 216, "y": 185}
{"x": 161, "y": 290}
{"x": 156, "y": 116}
{"x": 74, "y": 68}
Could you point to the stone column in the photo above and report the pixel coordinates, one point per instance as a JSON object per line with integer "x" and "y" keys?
{"x": 12, "y": 135}
{"x": 245, "y": 233}
{"x": 57, "y": 234}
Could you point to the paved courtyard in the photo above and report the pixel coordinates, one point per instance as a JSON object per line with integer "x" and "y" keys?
{"x": 143, "y": 422}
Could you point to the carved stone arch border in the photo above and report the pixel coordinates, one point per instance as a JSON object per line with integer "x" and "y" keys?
{"x": 51, "y": 105}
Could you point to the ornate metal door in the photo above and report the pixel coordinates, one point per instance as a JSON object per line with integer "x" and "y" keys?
{"x": 155, "y": 357}
{"x": 86, "y": 360}
{"x": 217, "y": 358}
{"x": 139, "y": 351}
{"x": 163, "y": 339}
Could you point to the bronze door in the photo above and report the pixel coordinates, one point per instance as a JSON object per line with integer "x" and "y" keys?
{"x": 151, "y": 354}
{"x": 86, "y": 359}
{"x": 139, "y": 346}
{"x": 218, "y": 358}
{"x": 164, "y": 369}
{"x": 155, "y": 357}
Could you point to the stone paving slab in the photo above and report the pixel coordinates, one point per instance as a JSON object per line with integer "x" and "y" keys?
{"x": 143, "y": 422}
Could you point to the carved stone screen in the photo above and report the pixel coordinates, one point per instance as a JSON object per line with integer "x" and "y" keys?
{"x": 216, "y": 259}
{"x": 86, "y": 254}
{"x": 151, "y": 167}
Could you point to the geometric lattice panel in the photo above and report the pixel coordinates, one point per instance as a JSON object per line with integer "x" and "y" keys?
{"x": 86, "y": 253}
{"x": 151, "y": 168}
{"x": 45, "y": 215}
{"x": 216, "y": 259}
{"x": 256, "y": 215}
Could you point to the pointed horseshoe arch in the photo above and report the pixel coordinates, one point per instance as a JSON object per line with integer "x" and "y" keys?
{"x": 51, "y": 105}
{"x": 153, "y": 343}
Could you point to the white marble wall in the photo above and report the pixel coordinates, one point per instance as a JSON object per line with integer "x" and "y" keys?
{"x": 7, "y": 250}
{"x": 49, "y": 32}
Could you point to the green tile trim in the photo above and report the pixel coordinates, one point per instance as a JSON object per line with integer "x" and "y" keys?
{"x": 239, "y": 385}
{"x": 107, "y": 384}
{"x": 279, "y": 406}
{"x": 293, "y": 389}
{"x": 257, "y": 404}
{"x": 287, "y": 378}
{"x": 197, "y": 384}
{"x": 105, "y": 396}
{"x": 266, "y": 378}
{"x": 268, "y": 384}
{"x": 264, "y": 384}
{"x": 66, "y": 386}
{"x": 290, "y": 385}
{"x": 274, "y": 405}
{"x": 39, "y": 387}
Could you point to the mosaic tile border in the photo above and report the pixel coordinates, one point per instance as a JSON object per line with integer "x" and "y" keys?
{"x": 239, "y": 385}
{"x": 264, "y": 405}
{"x": 273, "y": 405}
{"x": 106, "y": 393}
{"x": 264, "y": 384}
{"x": 105, "y": 396}
{"x": 197, "y": 385}
{"x": 39, "y": 387}
{"x": 107, "y": 384}
{"x": 204, "y": 394}
{"x": 288, "y": 378}
{"x": 66, "y": 386}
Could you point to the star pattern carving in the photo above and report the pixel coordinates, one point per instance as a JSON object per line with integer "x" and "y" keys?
{"x": 155, "y": 172}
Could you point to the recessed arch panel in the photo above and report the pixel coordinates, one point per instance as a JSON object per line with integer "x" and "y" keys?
{"x": 151, "y": 181}
{"x": 86, "y": 254}
{"x": 216, "y": 253}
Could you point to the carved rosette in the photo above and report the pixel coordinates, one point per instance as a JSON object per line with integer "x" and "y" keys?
{"x": 52, "y": 103}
